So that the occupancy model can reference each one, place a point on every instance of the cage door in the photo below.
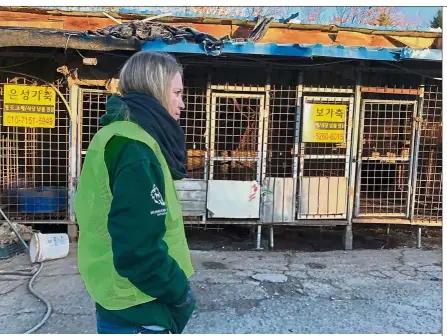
(385, 158)
(326, 131)
(236, 140)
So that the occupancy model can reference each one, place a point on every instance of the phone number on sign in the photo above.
(31, 121)
(330, 137)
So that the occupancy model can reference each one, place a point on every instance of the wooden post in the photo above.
(72, 229)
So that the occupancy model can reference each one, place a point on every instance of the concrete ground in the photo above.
(360, 291)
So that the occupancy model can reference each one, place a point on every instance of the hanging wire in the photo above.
(67, 105)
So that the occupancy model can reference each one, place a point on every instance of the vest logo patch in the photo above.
(156, 196)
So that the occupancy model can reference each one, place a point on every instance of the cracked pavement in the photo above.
(360, 291)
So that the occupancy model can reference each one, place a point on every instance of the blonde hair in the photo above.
(150, 72)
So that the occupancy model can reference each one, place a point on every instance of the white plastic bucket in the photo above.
(48, 246)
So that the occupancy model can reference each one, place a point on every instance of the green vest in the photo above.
(92, 206)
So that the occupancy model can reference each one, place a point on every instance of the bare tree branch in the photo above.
(312, 14)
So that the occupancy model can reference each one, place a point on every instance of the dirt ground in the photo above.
(381, 291)
(313, 239)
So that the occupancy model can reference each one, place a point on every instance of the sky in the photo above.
(426, 13)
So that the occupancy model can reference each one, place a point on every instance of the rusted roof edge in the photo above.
(58, 38)
(223, 21)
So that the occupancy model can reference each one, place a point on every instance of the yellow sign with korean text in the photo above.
(324, 123)
(29, 106)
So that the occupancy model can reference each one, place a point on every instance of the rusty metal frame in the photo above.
(388, 90)
(313, 89)
(237, 88)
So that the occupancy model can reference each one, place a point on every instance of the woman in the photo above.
(132, 250)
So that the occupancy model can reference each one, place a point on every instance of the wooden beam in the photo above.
(29, 37)
(374, 89)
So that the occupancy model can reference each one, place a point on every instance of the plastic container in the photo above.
(11, 249)
(48, 246)
(42, 199)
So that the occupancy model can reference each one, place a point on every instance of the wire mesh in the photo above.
(235, 144)
(34, 166)
(93, 105)
(385, 157)
(193, 122)
(335, 81)
(281, 131)
(428, 193)
(324, 167)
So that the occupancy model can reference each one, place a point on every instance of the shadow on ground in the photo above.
(312, 239)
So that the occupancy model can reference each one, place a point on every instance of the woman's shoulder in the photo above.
(127, 151)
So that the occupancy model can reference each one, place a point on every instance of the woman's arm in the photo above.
(136, 223)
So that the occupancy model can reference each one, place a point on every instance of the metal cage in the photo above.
(386, 153)
(34, 166)
(428, 178)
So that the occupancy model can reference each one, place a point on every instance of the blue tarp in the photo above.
(300, 50)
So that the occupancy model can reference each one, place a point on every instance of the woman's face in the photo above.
(175, 98)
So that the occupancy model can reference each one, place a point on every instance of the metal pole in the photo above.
(354, 155)
(359, 164)
(297, 159)
(415, 152)
(419, 237)
(258, 238)
(271, 237)
(206, 176)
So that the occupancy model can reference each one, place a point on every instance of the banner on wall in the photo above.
(324, 123)
(29, 106)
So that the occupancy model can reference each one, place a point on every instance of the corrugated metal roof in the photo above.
(299, 50)
(421, 54)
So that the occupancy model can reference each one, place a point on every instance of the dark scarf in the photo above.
(150, 115)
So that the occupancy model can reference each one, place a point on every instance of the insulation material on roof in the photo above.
(235, 28)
